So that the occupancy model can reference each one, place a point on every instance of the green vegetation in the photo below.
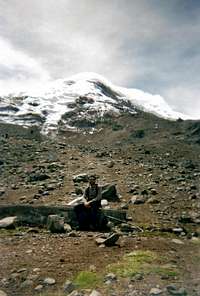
(133, 263)
(87, 279)
(164, 271)
(141, 262)
(108, 121)
(116, 126)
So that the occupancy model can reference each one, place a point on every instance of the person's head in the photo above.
(92, 180)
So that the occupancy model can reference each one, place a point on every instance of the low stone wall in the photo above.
(37, 215)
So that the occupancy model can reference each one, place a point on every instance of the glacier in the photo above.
(85, 95)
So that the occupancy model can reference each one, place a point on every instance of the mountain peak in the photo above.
(85, 96)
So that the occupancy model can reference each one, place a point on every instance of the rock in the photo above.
(110, 164)
(110, 277)
(104, 202)
(78, 191)
(76, 293)
(22, 270)
(109, 192)
(153, 200)
(100, 240)
(124, 206)
(124, 227)
(177, 230)
(137, 277)
(2, 293)
(2, 192)
(8, 222)
(80, 178)
(49, 281)
(37, 269)
(101, 154)
(188, 164)
(68, 287)
(144, 192)
(155, 291)
(137, 199)
(26, 284)
(38, 288)
(154, 191)
(172, 290)
(95, 293)
(35, 177)
(67, 227)
(73, 234)
(111, 240)
(185, 218)
(55, 224)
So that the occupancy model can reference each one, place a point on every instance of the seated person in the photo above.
(88, 213)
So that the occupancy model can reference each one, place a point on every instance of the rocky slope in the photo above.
(154, 163)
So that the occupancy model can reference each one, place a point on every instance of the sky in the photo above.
(152, 45)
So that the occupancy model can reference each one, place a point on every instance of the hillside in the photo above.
(155, 165)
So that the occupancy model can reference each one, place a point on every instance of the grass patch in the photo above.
(116, 126)
(164, 271)
(133, 263)
(87, 280)
(142, 262)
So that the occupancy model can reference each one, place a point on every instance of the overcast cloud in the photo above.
(148, 44)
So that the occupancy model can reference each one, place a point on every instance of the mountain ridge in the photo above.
(85, 96)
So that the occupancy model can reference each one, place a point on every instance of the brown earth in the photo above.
(146, 157)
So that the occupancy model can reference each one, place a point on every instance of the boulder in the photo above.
(80, 178)
(55, 224)
(155, 291)
(8, 222)
(38, 288)
(49, 281)
(110, 240)
(35, 177)
(173, 290)
(2, 293)
(109, 192)
(138, 199)
(95, 293)
(110, 277)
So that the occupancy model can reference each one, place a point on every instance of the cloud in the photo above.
(18, 70)
(189, 97)
(147, 44)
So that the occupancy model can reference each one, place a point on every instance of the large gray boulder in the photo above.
(55, 224)
(109, 192)
(8, 222)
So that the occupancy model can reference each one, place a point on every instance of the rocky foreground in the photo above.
(154, 164)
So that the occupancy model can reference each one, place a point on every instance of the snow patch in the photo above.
(87, 94)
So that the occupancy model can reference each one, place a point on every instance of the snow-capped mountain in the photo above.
(85, 96)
